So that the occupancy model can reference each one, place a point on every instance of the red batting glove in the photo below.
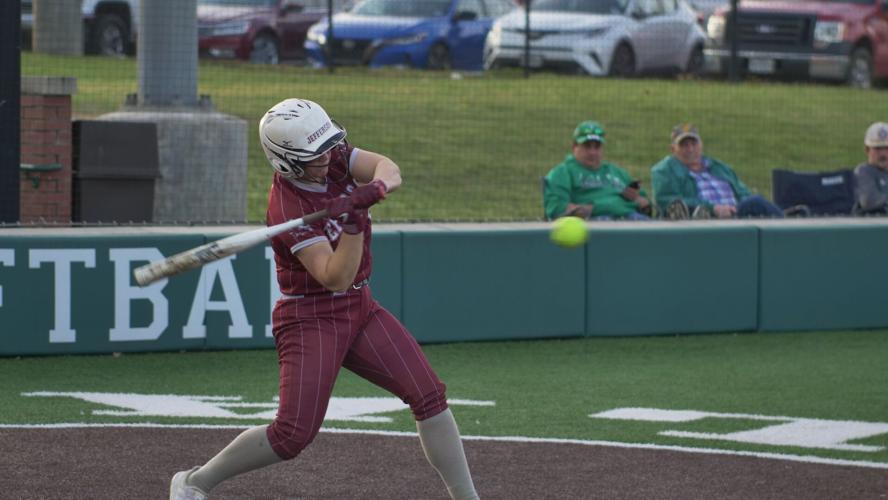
(337, 207)
(354, 222)
(369, 194)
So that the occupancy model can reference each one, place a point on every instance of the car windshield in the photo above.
(238, 3)
(584, 6)
(402, 8)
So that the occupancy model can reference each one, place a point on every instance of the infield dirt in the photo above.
(136, 463)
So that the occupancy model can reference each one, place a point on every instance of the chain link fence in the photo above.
(475, 100)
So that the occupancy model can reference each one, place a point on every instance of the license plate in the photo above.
(761, 66)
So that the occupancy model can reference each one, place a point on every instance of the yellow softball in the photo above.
(569, 232)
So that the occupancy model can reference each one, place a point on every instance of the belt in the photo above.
(355, 286)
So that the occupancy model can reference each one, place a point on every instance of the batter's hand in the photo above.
(337, 207)
(369, 194)
(354, 222)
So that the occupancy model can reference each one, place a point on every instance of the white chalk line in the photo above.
(503, 439)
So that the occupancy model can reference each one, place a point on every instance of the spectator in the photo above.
(586, 186)
(871, 178)
(687, 183)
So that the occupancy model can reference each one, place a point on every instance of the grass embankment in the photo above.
(474, 147)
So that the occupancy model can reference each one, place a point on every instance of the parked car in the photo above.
(434, 34)
(260, 31)
(601, 37)
(839, 40)
(109, 26)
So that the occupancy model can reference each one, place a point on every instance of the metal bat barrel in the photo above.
(178, 263)
(210, 252)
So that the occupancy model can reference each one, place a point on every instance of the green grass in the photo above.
(541, 388)
(474, 148)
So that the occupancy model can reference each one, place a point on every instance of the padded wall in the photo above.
(672, 280)
(819, 278)
(482, 285)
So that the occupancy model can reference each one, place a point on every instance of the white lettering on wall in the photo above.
(274, 292)
(62, 259)
(125, 293)
(7, 258)
(233, 304)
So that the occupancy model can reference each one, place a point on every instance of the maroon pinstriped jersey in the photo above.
(292, 199)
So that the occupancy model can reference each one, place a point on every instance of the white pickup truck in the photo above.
(109, 26)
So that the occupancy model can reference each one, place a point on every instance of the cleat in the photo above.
(180, 490)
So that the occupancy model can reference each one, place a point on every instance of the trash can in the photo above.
(115, 166)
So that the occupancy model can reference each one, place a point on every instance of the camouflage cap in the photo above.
(683, 131)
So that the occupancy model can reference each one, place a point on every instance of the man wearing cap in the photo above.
(689, 182)
(871, 178)
(586, 186)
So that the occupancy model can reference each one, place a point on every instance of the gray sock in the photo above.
(249, 451)
(443, 448)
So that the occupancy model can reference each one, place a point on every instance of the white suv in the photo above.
(600, 37)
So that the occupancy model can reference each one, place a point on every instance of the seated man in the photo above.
(871, 178)
(586, 186)
(687, 182)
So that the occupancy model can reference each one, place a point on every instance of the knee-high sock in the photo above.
(440, 441)
(249, 451)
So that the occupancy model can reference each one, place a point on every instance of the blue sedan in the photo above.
(433, 34)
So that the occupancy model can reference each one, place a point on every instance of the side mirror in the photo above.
(465, 15)
(638, 14)
(290, 6)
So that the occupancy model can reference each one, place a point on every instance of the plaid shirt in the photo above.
(713, 189)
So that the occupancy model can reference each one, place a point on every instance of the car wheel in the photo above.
(265, 50)
(108, 36)
(860, 71)
(622, 62)
(439, 57)
(695, 62)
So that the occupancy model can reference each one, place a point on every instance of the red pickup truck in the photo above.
(840, 40)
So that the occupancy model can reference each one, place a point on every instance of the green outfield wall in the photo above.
(70, 290)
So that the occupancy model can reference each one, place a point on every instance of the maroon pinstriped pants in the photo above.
(315, 335)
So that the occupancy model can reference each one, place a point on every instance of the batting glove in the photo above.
(354, 222)
(369, 194)
(337, 207)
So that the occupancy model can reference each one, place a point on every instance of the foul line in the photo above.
(503, 439)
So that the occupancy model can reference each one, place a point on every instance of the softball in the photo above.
(569, 232)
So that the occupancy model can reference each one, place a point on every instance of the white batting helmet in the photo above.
(296, 131)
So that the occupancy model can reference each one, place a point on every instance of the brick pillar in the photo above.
(46, 144)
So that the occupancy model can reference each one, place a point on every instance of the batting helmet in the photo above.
(296, 131)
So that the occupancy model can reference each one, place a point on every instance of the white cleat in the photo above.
(180, 490)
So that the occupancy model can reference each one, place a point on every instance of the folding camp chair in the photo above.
(824, 193)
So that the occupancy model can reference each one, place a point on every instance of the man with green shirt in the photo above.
(586, 186)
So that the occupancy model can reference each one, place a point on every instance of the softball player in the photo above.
(327, 317)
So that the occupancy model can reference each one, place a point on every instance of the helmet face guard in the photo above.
(295, 132)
